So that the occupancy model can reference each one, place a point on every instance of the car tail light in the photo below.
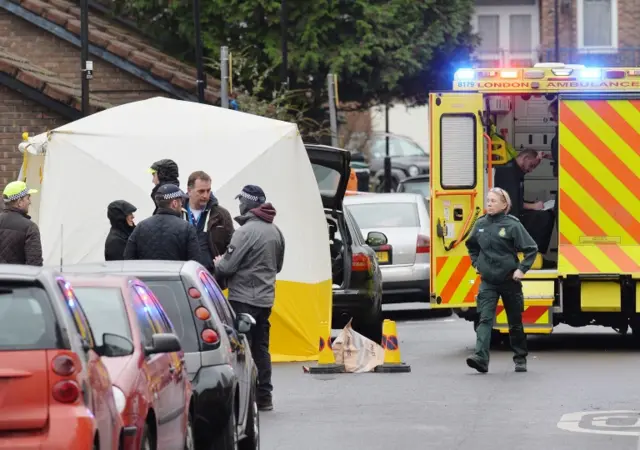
(194, 293)
(202, 313)
(63, 365)
(360, 262)
(210, 336)
(383, 248)
(424, 244)
(66, 391)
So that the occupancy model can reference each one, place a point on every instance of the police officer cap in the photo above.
(169, 192)
(253, 193)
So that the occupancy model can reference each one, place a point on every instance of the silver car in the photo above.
(405, 260)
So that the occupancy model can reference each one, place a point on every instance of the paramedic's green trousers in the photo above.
(513, 300)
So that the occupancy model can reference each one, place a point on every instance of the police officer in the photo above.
(493, 247)
(164, 235)
(20, 237)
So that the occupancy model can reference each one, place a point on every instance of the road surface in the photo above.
(576, 378)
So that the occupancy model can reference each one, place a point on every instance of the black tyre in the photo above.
(227, 438)
(252, 441)
(189, 440)
(148, 440)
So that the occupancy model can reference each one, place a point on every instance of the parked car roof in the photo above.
(391, 197)
(23, 272)
(129, 266)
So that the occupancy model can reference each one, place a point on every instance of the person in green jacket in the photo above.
(493, 246)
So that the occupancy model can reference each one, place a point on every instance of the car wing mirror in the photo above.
(376, 239)
(115, 345)
(163, 343)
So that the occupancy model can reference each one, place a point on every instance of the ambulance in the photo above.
(592, 267)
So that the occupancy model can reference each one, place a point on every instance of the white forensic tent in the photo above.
(81, 167)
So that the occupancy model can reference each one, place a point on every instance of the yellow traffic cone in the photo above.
(392, 361)
(326, 360)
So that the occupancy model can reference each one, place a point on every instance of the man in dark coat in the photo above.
(212, 221)
(165, 236)
(20, 237)
(120, 214)
(164, 171)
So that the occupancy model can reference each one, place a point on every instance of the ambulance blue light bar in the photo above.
(590, 74)
(465, 74)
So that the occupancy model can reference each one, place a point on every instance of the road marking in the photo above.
(619, 423)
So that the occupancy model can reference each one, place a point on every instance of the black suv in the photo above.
(216, 349)
(357, 280)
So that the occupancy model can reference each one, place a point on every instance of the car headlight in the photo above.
(414, 171)
(119, 398)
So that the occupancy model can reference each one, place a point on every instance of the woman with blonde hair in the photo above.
(493, 246)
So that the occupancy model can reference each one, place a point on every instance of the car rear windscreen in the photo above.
(385, 215)
(27, 321)
(106, 311)
(173, 298)
(416, 187)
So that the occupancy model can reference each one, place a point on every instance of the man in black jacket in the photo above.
(164, 171)
(165, 236)
(20, 237)
(120, 214)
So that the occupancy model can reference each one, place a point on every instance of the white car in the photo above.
(405, 261)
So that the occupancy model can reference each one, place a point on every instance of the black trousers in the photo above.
(539, 224)
(259, 342)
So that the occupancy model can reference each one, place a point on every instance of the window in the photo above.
(385, 215)
(26, 319)
(218, 299)
(174, 301)
(105, 310)
(144, 321)
(598, 25)
(417, 187)
(457, 151)
(79, 318)
(520, 33)
(489, 32)
(328, 179)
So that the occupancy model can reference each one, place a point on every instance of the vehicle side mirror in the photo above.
(244, 323)
(163, 343)
(115, 345)
(376, 238)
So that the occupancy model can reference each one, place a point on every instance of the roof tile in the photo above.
(99, 38)
(184, 82)
(35, 6)
(120, 48)
(163, 71)
(141, 60)
(73, 25)
(58, 17)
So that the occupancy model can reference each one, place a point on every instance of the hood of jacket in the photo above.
(265, 212)
(167, 171)
(117, 212)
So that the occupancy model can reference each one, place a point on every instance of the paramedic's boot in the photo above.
(521, 365)
(476, 363)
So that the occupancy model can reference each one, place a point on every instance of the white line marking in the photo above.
(572, 422)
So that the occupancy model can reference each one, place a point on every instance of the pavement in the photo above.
(581, 392)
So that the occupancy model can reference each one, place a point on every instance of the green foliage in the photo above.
(381, 49)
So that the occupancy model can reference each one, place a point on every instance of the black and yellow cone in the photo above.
(392, 360)
(326, 360)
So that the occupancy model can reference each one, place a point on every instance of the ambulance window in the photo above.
(457, 151)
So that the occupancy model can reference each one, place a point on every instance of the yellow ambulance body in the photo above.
(595, 243)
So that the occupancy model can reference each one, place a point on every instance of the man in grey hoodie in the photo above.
(253, 259)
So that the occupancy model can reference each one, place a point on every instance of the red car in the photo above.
(144, 358)
(55, 392)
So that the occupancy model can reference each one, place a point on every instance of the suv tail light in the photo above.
(63, 365)
(194, 293)
(202, 313)
(66, 391)
(209, 336)
(360, 262)
(423, 245)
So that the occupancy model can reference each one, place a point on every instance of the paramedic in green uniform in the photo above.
(493, 247)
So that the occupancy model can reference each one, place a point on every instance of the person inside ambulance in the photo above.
(493, 247)
(510, 177)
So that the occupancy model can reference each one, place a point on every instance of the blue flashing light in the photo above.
(465, 74)
(591, 74)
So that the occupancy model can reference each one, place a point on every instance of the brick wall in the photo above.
(628, 30)
(18, 114)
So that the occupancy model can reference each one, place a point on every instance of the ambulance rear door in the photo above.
(458, 178)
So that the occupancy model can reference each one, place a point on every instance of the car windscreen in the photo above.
(416, 187)
(27, 321)
(385, 215)
(173, 298)
(105, 309)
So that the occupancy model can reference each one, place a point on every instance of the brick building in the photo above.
(40, 70)
(591, 32)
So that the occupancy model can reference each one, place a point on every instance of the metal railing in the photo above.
(621, 57)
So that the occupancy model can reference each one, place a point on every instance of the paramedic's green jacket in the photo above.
(494, 245)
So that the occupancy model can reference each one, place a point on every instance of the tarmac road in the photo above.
(444, 405)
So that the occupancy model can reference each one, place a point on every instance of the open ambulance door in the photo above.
(458, 179)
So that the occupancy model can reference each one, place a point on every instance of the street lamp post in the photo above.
(556, 29)
(86, 66)
(283, 38)
(201, 82)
